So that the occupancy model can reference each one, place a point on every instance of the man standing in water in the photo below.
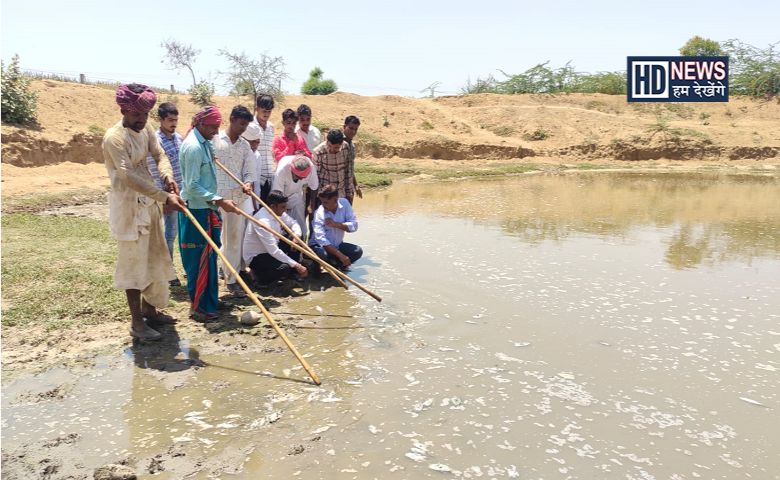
(144, 266)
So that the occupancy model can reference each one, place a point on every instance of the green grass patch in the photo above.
(58, 271)
(97, 130)
(372, 180)
(426, 125)
(504, 131)
(488, 171)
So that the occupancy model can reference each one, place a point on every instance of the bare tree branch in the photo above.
(179, 55)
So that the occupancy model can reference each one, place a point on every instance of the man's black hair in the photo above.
(266, 102)
(304, 110)
(242, 113)
(289, 114)
(335, 136)
(275, 197)
(351, 120)
(166, 109)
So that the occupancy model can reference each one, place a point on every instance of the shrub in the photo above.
(19, 104)
(201, 92)
(701, 47)
(316, 85)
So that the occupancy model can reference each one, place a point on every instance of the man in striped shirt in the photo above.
(170, 141)
(330, 158)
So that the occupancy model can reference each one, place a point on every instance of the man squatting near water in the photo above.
(268, 259)
(144, 266)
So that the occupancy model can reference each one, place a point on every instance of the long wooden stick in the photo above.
(311, 255)
(328, 268)
(252, 296)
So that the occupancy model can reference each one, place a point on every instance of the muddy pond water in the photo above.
(584, 326)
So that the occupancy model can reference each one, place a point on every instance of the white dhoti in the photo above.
(144, 264)
(296, 208)
(233, 229)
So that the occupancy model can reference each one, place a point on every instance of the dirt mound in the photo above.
(484, 126)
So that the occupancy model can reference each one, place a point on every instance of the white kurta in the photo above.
(239, 158)
(135, 213)
(293, 190)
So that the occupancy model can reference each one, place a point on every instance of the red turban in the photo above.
(141, 102)
(208, 116)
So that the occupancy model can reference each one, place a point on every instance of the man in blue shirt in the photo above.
(200, 192)
(332, 219)
(170, 141)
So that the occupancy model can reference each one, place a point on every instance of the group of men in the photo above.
(206, 184)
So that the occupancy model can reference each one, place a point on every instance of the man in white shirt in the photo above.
(264, 174)
(307, 131)
(332, 219)
(267, 261)
(234, 153)
(292, 174)
(265, 155)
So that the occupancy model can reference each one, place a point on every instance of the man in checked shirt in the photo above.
(170, 141)
(330, 159)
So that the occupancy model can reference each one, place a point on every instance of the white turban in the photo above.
(252, 132)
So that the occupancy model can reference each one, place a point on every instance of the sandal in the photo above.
(148, 334)
(159, 319)
(199, 316)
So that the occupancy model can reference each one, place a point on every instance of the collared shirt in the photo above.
(257, 240)
(239, 158)
(324, 235)
(132, 186)
(198, 171)
(350, 148)
(312, 137)
(283, 146)
(292, 189)
(171, 147)
(264, 156)
(332, 168)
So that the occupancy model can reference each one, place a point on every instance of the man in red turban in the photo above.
(144, 266)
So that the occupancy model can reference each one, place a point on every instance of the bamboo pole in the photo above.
(253, 297)
(328, 268)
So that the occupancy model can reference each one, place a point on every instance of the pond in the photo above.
(593, 325)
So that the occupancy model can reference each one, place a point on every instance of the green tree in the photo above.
(701, 47)
(254, 76)
(19, 104)
(316, 85)
(201, 92)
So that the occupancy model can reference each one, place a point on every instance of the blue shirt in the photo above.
(198, 170)
(171, 147)
(324, 235)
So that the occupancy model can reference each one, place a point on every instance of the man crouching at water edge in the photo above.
(144, 266)
(200, 192)
(267, 260)
(334, 217)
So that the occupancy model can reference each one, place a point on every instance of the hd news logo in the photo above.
(678, 79)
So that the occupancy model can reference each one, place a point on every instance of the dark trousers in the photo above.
(354, 252)
(266, 269)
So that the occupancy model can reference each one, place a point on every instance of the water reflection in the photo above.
(707, 218)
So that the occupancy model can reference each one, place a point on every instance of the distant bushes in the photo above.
(201, 93)
(543, 79)
(316, 85)
(19, 104)
(752, 71)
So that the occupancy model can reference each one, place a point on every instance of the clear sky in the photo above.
(370, 48)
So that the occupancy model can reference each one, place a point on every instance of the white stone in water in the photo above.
(373, 429)
(249, 318)
(415, 456)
